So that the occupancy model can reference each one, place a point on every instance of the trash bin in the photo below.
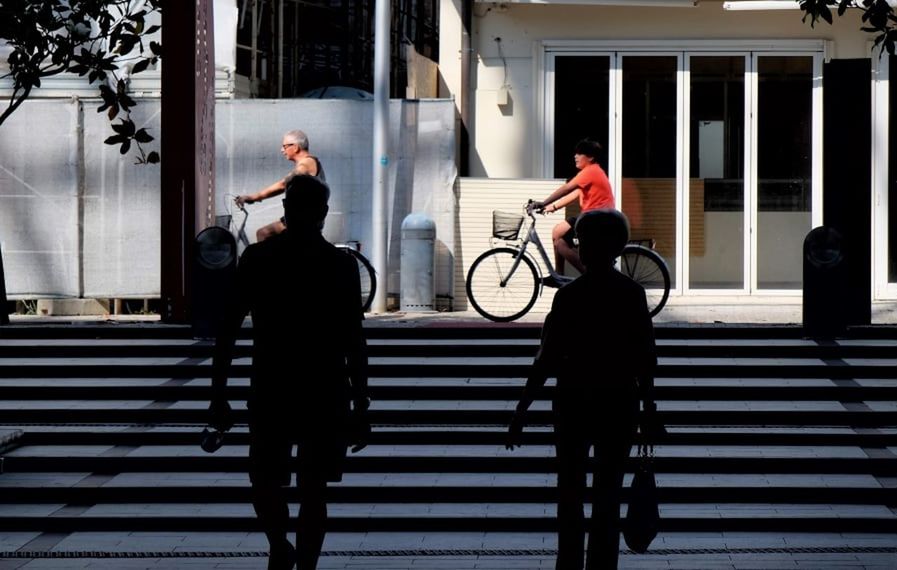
(418, 289)
(214, 272)
(825, 284)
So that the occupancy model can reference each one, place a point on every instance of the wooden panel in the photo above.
(650, 204)
(477, 198)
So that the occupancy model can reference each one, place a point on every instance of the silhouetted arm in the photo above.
(542, 367)
(356, 345)
(236, 310)
(647, 366)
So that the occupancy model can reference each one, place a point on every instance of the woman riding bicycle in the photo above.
(592, 187)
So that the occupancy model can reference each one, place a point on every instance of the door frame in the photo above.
(881, 114)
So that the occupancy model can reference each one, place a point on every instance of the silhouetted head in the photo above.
(602, 236)
(305, 203)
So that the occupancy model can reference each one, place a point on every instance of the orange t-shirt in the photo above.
(595, 186)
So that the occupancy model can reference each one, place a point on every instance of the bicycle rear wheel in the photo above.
(493, 300)
(648, 269)
(366, 275)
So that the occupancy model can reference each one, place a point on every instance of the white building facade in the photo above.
(712, 117)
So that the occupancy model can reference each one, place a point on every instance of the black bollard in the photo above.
(825, 284)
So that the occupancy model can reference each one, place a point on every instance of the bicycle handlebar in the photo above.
(534, 206)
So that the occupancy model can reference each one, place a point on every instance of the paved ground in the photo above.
(462, 551)
(679, 311)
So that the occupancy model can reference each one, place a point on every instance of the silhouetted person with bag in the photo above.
(598, 341)
(309, 370)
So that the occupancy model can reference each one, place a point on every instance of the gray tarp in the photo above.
(56, 181)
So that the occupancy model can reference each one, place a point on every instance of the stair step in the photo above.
(154, 492)
(881, 466)
(379, 393)
(435, 417)
(496, 436)
(709, 523)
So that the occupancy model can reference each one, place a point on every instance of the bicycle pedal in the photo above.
(550, 281)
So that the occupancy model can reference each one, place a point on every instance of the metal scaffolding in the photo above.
(286, 48)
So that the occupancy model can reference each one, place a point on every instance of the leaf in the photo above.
(142, 136)
(843, 6)
(126, 102)
(153, 157)
(140, 66)
(115, 139)
(125, 146)
(156, 48)
(152, 29)
(124, 128)
(113, 112)
(127, 44)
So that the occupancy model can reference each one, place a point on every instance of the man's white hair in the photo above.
(298, 137)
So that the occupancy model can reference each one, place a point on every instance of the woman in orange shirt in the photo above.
(592, 187)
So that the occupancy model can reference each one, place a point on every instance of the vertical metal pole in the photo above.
(253, 64)
(4, 316)
(381, 151)
(280, 49)
(466, 51)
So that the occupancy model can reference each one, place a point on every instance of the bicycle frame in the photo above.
(533, 237)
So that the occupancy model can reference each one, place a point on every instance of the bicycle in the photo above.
(366, 274)
(504, 282)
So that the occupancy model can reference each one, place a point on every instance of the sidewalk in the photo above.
(679, 311)
(453, 551)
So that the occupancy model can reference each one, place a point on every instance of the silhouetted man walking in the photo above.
(598, 341)
(297, 285)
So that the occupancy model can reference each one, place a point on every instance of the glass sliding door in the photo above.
(714, 154)
(580, 108)
(648, 194)
(784, 151)
(716, 190)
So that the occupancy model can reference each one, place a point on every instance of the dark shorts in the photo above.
(320, 454)
(571, 233)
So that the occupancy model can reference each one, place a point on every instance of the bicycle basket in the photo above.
(506, 225)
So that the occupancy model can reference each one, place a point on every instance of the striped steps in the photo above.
(768, 432)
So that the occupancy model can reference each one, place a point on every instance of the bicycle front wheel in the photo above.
(648, 269)
(366, 276)
(497, 302)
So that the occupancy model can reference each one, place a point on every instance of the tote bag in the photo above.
(642, 515)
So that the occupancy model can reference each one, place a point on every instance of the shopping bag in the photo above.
(642, 515)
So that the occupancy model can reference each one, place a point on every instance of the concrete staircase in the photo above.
(768, 433)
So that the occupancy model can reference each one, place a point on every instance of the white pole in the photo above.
(381, 151)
